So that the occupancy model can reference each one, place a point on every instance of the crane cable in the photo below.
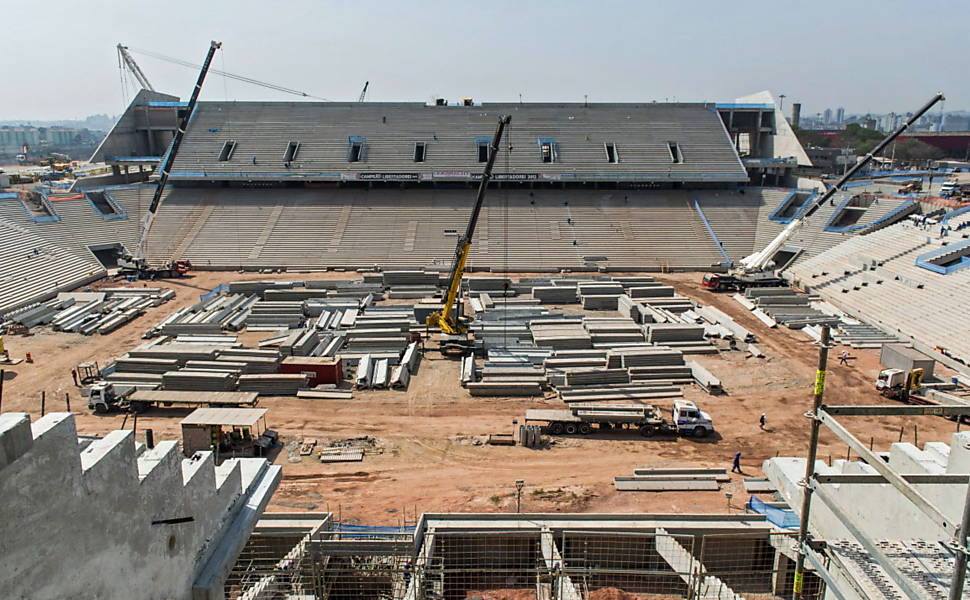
(242, 78)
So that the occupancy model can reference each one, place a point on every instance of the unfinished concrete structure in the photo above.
(548, 556)
(110, 518)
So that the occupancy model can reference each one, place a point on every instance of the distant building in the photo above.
(41, 140)
(827, 116)
(839, 115)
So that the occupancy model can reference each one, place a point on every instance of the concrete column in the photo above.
(781, 574)
(554, 564)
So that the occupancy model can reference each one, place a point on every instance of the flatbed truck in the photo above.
(725, 282)
(686, 419)
(105, 397)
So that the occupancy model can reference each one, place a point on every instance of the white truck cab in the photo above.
(691, 420)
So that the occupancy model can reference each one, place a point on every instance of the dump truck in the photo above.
(686, 419)
(105, 397)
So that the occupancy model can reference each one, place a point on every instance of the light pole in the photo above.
(519, 484)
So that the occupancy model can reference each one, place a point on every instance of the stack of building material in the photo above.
(259, 287)
(178, 352)
(276, 384)
(256, 361)
(705, 379)
(661, 333)
(671, 480)
(504, 388)
(556, 294)
(145, 365)
(717, 317)
(600, 295)
(279, 315)
(643, 356)
(674, 304)
(209, 317)
(788, 306)
(652, 291)
(592, 376)
(321, 370)
(339, 455)
(217, 365)
(610, 332)
(202, 381)
(618, 393)
(410, 284)
(300, 342)
(862, 335)
(530, 436)
(494, 286)
(561, 335)
(91, 312)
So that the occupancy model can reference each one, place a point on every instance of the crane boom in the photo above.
(363, 92)
(129, 61)
(166, 167)
(443, 318)
(759, 260)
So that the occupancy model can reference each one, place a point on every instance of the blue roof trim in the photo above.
(783, 205)
(167, 104)
(924, 260)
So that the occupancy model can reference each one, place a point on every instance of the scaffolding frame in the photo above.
(816, 484)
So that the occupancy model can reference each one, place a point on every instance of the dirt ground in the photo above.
(427, 451)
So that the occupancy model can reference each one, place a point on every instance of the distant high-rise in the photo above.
(827, 116)
(839, 116)
(796, 114)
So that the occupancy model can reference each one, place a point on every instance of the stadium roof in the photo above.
(293, 141)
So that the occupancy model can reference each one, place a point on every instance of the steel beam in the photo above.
(830, 585)
(877, 463)
(896, 410)
(898, 578)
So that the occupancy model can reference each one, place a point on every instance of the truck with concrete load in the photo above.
(725, 282)
(686, 419)
(105, 397)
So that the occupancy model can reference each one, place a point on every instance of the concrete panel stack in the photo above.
(276, 384)
(561, 335)
(587, 376)
(178, 352)
(705, 379)
(279, 315)
(494, 286)
(202, 381)
(504, 388)
(145, 365)
(653, 291)
(556, 294)
(600, 295)
(717, 317)
(609, 332)
(644, 356)
(789, 307)
(256, 361)
(618, 393)
(300, 342)
(660, 333)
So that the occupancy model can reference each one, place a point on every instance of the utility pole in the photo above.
(960, 553)
(519, 484)
(819, 390)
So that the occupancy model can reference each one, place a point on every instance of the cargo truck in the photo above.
(686, 419)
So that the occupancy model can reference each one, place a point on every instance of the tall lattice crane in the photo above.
(363, 92)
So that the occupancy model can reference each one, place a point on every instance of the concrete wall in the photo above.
(880, 511)
(91, 523)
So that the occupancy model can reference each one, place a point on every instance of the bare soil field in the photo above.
(426, 450)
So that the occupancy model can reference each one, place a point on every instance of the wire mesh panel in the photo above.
(605, 565)
(757, 566)
(493, 565)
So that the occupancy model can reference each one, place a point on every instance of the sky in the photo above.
(59, 60)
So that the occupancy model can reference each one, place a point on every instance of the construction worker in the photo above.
(736, 464)
(844, 358)
(763, 421)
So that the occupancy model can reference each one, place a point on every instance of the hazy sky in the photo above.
(57, 57)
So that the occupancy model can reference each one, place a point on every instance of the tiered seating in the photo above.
(80, 224)
(640, 133)
(544, 230)
(895, 294)
(32, 268)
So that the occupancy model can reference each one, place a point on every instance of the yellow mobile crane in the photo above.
(445, 319)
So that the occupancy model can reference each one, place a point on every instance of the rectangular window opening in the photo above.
(611, 154)
(482, 153)
(292, 149)
(419, 151)
(676, 156)
(227, 150)
(545, 150)
(355, 150)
